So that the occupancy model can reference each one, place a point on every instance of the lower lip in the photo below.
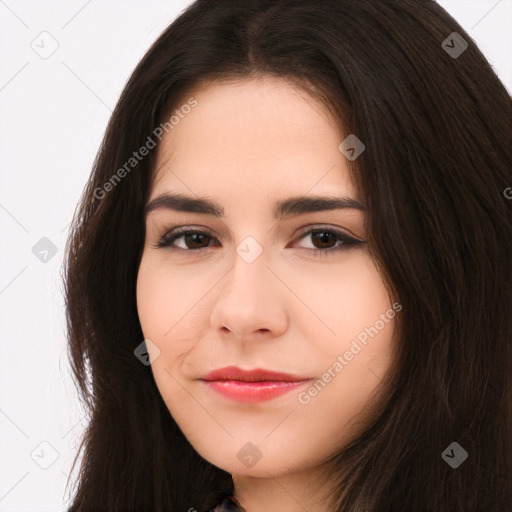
(252, 392)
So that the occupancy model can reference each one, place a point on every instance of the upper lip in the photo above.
(256, 375)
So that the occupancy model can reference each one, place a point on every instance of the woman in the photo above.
(229, 359)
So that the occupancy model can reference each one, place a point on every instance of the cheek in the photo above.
(172, 313)
(151, 301)
(165, 294)
(364, 329)
(355, 348)
(341, 298)
(362, 304)
(157, 304)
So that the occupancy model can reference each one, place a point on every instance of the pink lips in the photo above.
(251, 386)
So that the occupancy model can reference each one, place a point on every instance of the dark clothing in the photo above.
(228, 504)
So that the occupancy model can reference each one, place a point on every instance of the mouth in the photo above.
(252, 386)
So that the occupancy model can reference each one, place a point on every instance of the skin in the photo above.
(246, 145)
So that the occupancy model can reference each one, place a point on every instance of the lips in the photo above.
(251, 386)
(257, 375)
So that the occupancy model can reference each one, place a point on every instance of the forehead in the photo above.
(259, 135)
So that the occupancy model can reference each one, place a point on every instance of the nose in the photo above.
(251, 301)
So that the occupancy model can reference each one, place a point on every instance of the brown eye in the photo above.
(193, 240)
(324, 241)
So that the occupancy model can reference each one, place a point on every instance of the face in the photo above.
(294, 293)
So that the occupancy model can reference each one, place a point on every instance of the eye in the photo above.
(197, 240)
(189, 236)
(324, 238)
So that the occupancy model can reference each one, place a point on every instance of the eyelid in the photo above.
(335, 229)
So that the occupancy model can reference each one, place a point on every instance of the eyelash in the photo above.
(171, 236)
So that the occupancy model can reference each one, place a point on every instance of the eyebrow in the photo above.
(282, 209)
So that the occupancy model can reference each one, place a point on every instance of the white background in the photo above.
(53, 113)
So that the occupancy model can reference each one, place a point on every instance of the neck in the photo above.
(297, 492)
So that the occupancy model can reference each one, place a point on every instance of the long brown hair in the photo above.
(438, 159)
